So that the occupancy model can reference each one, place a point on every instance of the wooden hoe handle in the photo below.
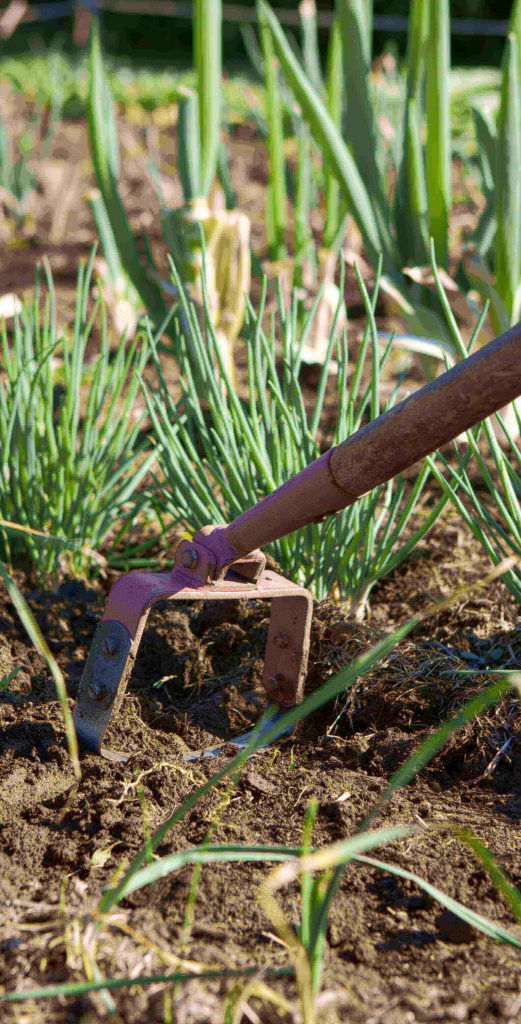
(431, 417)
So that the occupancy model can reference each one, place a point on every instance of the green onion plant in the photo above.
(296, 186)
(400, 196)
(119, 294)
(396, 226)
(218, 455)
(202, 217)
(493, 260)
(71, 455)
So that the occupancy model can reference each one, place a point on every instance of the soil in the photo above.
(392, 953)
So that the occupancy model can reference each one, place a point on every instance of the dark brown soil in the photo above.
(392, 955)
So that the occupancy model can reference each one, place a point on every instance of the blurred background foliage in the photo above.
(143, 37)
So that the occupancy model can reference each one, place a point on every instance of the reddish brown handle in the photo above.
(472, 390)
(469, 392)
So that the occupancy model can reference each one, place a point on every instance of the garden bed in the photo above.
(392, 953)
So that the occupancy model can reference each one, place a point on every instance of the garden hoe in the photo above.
(225, 562)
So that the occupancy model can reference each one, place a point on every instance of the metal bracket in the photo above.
(117, 637)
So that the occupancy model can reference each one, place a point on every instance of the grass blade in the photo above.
(483, 924)
(81, 988)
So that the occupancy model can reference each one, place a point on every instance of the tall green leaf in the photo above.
(508, 182)
(376, 235)
(486, 134)
(334, 101)
(189, 149)
(411, 211)
(276, 223)
(411, 192)
(515, 27)
(438, 146)
(106, 234)
(208, 66)
(303, 201)
(355, 20)
(310, 47)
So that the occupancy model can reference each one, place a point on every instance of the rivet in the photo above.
(190, 558)
(274, 683)
(110, 646)
(98, 692)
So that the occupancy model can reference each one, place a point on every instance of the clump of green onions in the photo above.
(71, 454)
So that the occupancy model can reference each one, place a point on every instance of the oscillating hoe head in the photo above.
(197, 576)
(225, 563)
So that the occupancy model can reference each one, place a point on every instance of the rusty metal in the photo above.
(225, 562)
(194, 578)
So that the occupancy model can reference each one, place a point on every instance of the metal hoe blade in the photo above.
(264, 725)
(119, 632)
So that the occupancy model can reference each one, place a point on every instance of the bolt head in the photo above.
(190, 558)
(110, 646)
(274, 683)
(97, 692)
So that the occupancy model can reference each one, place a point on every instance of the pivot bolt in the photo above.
(110, 646)
(282, 640)
(190, 558)
(98, 692)
(274, 684)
